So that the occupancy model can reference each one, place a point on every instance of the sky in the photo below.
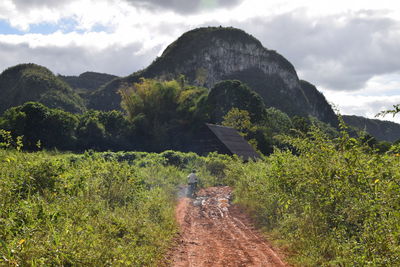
(348, 49)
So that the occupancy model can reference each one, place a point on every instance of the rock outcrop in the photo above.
(318, 106)
(208, 55)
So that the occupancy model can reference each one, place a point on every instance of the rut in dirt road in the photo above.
(216, 233)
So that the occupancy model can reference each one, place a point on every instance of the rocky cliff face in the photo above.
(208, 55)
(222, 57)
(318, 106)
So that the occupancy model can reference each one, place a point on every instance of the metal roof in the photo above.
(233, 141)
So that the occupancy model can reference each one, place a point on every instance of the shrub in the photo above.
(336, 202)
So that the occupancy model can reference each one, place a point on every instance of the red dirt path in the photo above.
(216, 233)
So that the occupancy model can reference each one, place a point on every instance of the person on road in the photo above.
(192, 181)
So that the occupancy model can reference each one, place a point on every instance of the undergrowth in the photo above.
(56, 210)
(335, 202)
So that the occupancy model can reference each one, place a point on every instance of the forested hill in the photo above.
(202, 58)
(209, 55)
(381, 130)
(88, 81)
(31, 82)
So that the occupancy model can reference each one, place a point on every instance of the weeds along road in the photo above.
(216, 233)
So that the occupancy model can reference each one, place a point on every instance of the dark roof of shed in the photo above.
(233, 141)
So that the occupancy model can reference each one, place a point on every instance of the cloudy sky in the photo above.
(348, 49)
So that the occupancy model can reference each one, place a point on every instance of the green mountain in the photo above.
(209, 55)
(381, 130)
(87, 82)
(205, 56)
(31, 82)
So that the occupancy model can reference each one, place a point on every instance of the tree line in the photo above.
(157, 116)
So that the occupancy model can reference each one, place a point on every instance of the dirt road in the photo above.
(216, 233)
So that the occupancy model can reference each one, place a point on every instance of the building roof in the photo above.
(233, 141)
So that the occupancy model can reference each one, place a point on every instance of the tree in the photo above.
(368, 139)
(36, 122)
(163, 112)
(240, 120)
(277, 121)
(301, 124)
(383, 146)
(394, 111)
(91, 133)
(230, 94)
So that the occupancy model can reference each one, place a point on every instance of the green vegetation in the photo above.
(240, 120)
(30, 82)
(165, 114)
(88, 81)
(228, 94)
(204, 55)
(334, 203)
(394, 111)
(159, 115)
(56, 211)
(381, 130)
(329, 200)
(55, 128)
(35, 122)
(92, 209)
(331, 197)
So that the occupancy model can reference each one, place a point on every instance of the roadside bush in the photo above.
(180, 159)
(335, 203)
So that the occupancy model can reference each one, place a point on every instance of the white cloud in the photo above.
(340, 52)
(184, 6)
(380, 93)
(350, 103)
(72, 54)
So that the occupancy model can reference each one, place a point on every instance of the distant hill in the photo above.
(31, 82)
(381, 130)
(209, 55)
(205, 56)
(87, 82)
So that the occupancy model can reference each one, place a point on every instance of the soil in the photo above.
(213, 232)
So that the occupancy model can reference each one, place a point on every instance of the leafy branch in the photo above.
(394, 111)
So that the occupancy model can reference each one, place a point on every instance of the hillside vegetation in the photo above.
(204, 57)
(87, 82)
(381, 130)
(30, 82)
(159, 115)
(208, 55)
